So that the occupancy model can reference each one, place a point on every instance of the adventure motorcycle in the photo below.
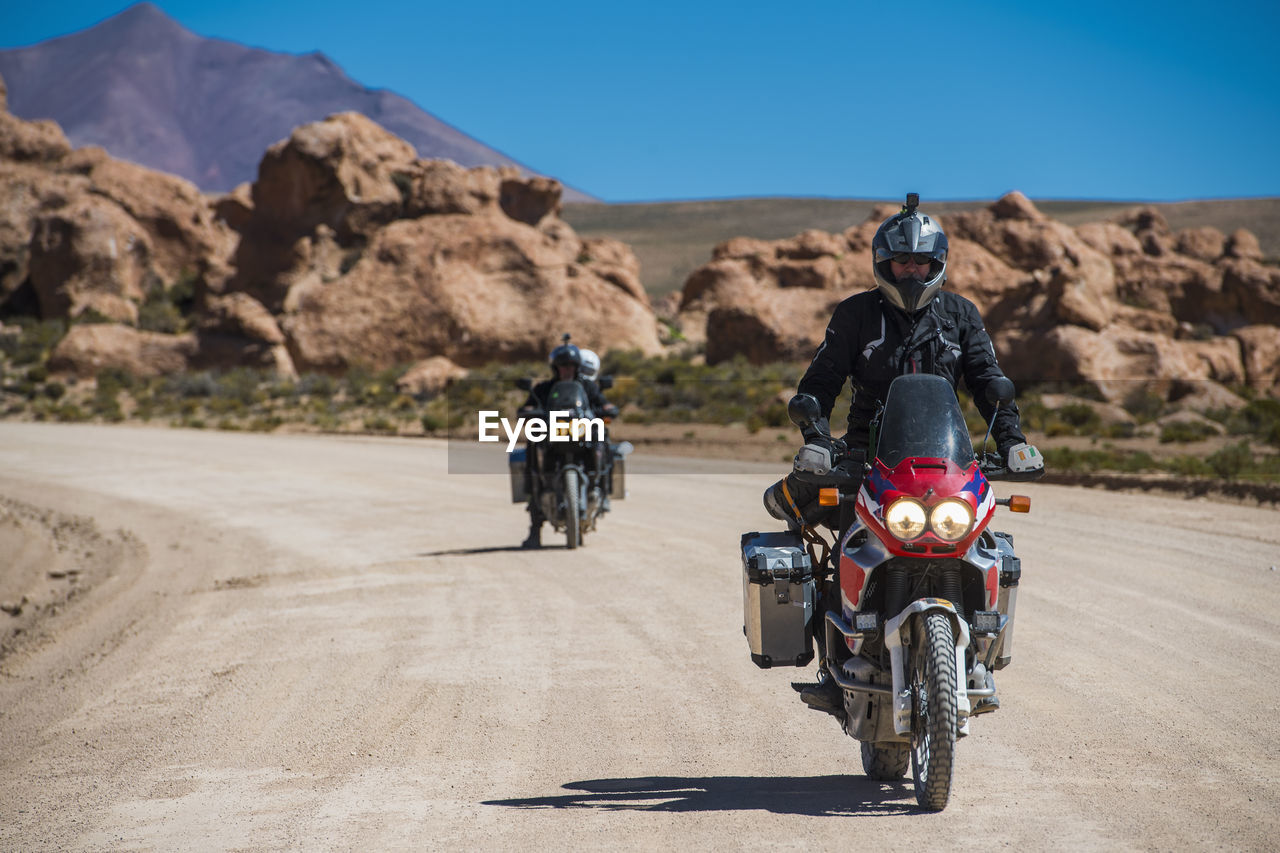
(919, 595)
(573, 474)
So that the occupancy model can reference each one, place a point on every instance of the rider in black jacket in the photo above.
(908, 324)
(566, 364)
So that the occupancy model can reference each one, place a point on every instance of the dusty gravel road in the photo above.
(328, 643)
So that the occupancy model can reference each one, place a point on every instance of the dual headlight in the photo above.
(950, 520)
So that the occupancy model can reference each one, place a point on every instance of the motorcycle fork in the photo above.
(904, 624)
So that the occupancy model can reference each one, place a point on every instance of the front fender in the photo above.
(893, 639)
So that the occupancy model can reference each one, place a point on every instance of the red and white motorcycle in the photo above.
(917, 593)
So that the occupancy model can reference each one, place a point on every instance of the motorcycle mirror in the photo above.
(624, 449)
(1000, 391)
(803, 409)
(605, 383)
(524, 383)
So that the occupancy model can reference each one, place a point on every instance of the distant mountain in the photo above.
(148, 90)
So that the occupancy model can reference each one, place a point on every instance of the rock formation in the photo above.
(1106, 303)
(347, 250)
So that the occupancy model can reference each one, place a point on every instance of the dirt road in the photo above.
(326, 643)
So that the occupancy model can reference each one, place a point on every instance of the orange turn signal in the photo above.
(1019, 503)
(828, 497)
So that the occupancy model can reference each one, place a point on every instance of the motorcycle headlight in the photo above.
(951, 520)
(905, 518)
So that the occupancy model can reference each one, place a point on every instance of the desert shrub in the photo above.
(1080, 417)
(106, 402)
(265, 423)
(368, 388)
(119, 377)
(90, 317)
(36, 340)
(315, 385)
(70, 413)
(1104, 459)
(1119, 430)
(164, 310)
(54, 390)
(1187, 466)
(1259, 418)
(1186, 432)
(1231, 461)
(324, 421)
(1143, 404)
(283, 389)
(242, 385)
(379, 423)
(190, 385)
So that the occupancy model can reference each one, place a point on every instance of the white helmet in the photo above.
(590, 365)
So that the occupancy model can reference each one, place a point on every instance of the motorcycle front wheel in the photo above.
(572, 508)
(934, 713)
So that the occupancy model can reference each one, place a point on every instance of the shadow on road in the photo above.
(492, 549)
(817, 796)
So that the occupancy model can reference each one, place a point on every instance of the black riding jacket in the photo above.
(871, 342)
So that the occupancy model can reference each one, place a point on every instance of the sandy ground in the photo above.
(309, 642)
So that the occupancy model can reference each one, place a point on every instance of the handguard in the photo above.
(1023, 458)
(813, 459)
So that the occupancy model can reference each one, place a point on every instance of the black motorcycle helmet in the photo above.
(566, 355)
(909, 233)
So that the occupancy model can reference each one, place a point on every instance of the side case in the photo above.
(619, 490)
(778, 594)
(515, 463)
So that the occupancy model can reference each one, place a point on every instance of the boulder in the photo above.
(239, 315)
(235, 208)
(342, 172)
(1015, 205)
(29, 141)
(1251, 290)
(429, 377)
(1204, 244)
(768, 326)
(89, 348)
(1116, 360)
(1243, 245)
(442, 186)
(528, 200)
(1109, 239)
(1260, 345)
(84, 251)
(475, 289)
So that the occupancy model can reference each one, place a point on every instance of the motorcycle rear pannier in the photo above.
(515, 464)
(618, 489)
(778, 593)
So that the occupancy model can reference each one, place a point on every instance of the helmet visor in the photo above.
(883, 254)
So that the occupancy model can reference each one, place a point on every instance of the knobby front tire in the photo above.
(935, 711)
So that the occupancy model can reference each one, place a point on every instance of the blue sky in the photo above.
(655, 101)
